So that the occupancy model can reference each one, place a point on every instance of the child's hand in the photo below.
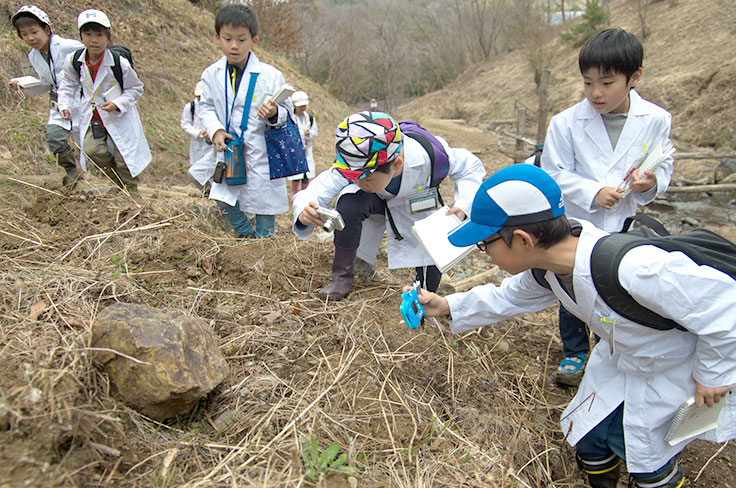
(642, 182)
(608, 196)
(202, 134)
(457, 211)
(13, 84)
(434, 305)
(108, 106)
(306, 132)
(65, 114)
(220, 139)
(708, 396)
(267, 109)
(309, 215)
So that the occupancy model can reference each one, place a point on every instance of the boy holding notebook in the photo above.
(591, 147)
(47, 55)
(637, 376)
(228, 112)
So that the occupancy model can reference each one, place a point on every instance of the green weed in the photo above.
(321, 464)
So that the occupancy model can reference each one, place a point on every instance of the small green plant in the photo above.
(320, 464)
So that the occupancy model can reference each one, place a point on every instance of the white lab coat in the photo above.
(260, 195)
(123, 126)
(201, 153)
(303, 123)
(60, 48)
(466, 170)
(651, 371)
(578, 155)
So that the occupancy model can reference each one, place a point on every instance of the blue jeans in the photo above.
(574, 334)
(607, 437)
(265, 224)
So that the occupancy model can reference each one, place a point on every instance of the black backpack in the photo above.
(117, 71)
(702, 246)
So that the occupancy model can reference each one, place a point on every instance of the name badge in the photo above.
(423, 201)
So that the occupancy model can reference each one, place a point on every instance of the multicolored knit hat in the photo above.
(364, 141)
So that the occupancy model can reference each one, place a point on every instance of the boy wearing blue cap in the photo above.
(590, 149)
(635, 382)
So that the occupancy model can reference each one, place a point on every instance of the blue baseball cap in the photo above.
(516, 195)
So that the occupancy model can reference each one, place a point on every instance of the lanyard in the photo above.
(246, 104)
(93, 95)
(50, 61)
(234, 87)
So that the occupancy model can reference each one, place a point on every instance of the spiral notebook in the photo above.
(691, 420)
(432, 231)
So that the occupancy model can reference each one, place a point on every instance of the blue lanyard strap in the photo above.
(246, 104)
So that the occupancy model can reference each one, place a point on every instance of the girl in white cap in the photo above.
(308, 130)
(47, 55)
(201, 158)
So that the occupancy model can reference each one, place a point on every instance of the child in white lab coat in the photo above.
(112, 134)
(226, 84)
(636, 380)
(201, 164)
(589, 150)
(47, 55)
(308, 130)
(379, 174)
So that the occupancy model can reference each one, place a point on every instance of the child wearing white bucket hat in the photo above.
(308, 130)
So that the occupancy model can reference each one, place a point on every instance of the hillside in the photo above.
(408, 408)
(689, 67)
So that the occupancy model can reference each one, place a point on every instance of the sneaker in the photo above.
(571, 370)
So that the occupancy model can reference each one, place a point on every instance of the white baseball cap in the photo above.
(299, 99)
(31, 10)
(198, 88)
(91, 15)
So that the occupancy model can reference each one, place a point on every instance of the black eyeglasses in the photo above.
(484, 244)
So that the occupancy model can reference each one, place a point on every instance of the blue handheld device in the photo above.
(411, 310)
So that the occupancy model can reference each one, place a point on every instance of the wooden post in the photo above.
(542, 113)
(519, 154)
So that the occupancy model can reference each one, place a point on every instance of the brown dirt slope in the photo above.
(689, 67)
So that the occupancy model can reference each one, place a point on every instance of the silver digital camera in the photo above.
(331, 218)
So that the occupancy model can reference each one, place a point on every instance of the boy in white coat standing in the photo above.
(379, 173)
(637, 376)
(112, 134)
(47, 55)
(590, 149)
(226, 84)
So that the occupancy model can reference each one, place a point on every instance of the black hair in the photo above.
(236, 15)
(612, 51)
(27, 19)
(548, 233)
(95, 27)
(384, 168)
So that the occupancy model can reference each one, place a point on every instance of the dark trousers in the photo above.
(607, 437)
(355, 208)
(574, 334)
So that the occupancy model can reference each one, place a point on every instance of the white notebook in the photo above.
(32, 85)
(653, 159)
(691, 420)
(282, 94)
(432, 231)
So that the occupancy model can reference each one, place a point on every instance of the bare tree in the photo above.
(482, 22)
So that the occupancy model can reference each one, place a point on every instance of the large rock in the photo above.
(185, 362)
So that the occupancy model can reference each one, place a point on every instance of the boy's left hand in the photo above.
(457, 211)
(267, 109)
(705, 395)
(108, 106)
(642, 181)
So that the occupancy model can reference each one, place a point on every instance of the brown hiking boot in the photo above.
(343, 272)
